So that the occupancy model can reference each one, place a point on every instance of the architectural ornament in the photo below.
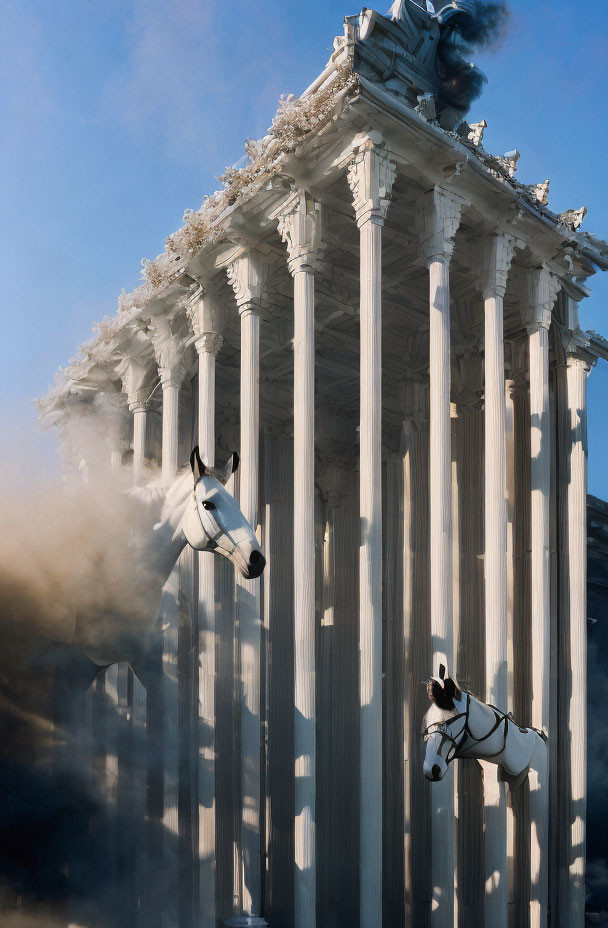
(300, 225)
(132, 373)
(494, 256)
(573, 218)
(168, 350)
(203, 313)
(509, 161)
(540, 289)
(247, 275)
(476, 130)
(541, 192)
(441, 210)
(371, 175)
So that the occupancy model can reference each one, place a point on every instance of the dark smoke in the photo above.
(64, 560)
(473, 26)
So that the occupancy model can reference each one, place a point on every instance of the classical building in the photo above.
(383, 320)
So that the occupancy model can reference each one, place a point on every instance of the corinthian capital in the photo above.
(132, 373)
(300, 225)
(540, 289)
(203, 312)
(441, 210)
(247, 276)
(168, 350)
(371, 175)
(493, 260)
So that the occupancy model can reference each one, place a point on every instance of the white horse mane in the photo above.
(161, 490)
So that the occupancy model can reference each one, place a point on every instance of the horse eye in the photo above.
(207, 504)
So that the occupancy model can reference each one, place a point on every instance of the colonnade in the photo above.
(371, 176)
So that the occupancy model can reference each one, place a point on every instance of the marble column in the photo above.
(139, 411)
(371, 175)
(577, 369)
(441, 218)
(203, 315)
(170, 382)
(300, 227)
(495, 259)
(541, 291)
(133, 373)
(246, 274)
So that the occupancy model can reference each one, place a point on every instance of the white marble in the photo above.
(371, 175)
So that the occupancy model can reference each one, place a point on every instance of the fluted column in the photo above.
(170, 386)
(139, 411)
(371, 175)
(441, 218)
(168, 352)
(577, 369)
(203, 318)
(541, 289)
(496, 254)
(132, 372)
(246, 274)
(300, 227)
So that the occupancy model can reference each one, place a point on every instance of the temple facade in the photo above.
(383, 321)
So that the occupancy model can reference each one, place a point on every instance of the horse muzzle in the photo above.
(255, 566)
(434, 772)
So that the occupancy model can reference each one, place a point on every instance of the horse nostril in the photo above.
(436, 772)
(257, 563)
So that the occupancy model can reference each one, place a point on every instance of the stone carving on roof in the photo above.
(475, 132)
(573, 218)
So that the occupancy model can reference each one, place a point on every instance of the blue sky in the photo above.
(120, 115)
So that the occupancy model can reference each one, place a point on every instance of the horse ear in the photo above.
(438, 694)
(223, 473)
(198, 468)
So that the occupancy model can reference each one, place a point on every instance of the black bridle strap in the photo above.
(457, 742)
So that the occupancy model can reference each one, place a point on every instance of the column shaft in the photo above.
(170, 427)
(440, 525)
(370, 575)
(248, 607)
(139, 443)
(577, 370)
(206, 662)
(540, 476)
(304, 600)
(495, 805)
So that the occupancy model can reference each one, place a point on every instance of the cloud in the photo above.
(161, 93)
(26, 93)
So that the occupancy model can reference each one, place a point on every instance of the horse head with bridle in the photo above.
(194, 509)
(458, 726)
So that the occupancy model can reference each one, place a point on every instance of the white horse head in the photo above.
(443, 724)
(213, 521)
(458, 725)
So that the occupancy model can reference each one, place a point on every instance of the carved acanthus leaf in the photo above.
(441, 210)
(540, 289)
(168, 350)
(300, 225)
(247, 276)
(132, 373)
(203, 312)
(494, 257)
(371, 175)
